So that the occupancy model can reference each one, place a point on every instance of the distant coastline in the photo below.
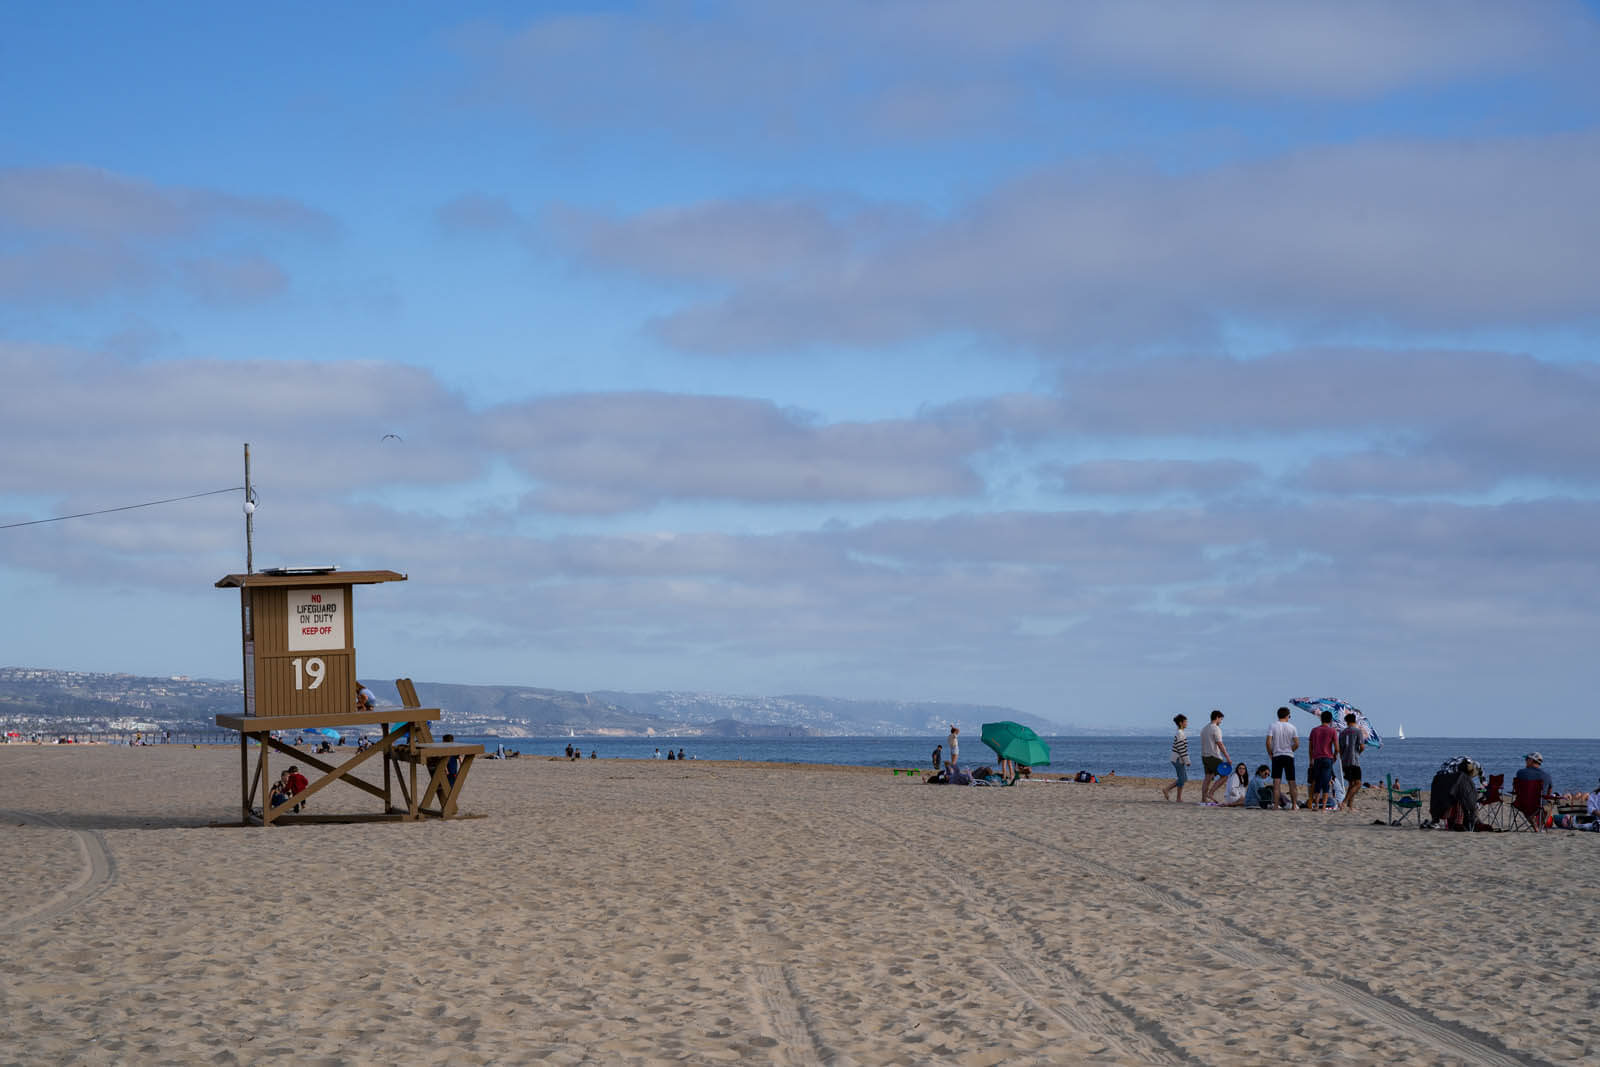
(87, 702)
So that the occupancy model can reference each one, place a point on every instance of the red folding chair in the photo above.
(1530, 809)
(1493, 811)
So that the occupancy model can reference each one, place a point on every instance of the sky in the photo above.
(1100, 360)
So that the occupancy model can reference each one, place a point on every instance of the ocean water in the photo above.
(1574, 763)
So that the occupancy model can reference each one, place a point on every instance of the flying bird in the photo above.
(387, 436)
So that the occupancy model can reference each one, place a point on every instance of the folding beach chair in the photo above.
(1493, 809)
(1408, 802)
(1529, 811)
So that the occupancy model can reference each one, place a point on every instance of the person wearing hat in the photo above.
(1533, 770)
(1533, 805)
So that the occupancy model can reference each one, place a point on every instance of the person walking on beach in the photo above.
(1282, 741)
(938, 757)
(1213, 754)
(953, 743)
(1352, 742)
(1180, 758)
(1324, 757)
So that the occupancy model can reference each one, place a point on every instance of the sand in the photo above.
(639, 912)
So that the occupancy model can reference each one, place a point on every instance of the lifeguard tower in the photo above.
(298, 630)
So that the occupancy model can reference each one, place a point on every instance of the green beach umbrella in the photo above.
(1017, 743)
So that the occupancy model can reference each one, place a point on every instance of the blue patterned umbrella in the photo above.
(1317, 705)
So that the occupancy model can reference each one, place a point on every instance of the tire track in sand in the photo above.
(777, 1000)
(99, 872)
(1116, 1031)
(1450, 1039)
(773, 993)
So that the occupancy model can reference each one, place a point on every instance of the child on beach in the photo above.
(1180, 759)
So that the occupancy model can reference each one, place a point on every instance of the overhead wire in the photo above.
(125, 507)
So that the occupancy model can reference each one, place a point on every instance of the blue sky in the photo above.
(1102, 360)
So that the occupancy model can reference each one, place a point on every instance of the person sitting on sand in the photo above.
(1236, 785)
(280, 791)
(1260, 791)
(1590, 819)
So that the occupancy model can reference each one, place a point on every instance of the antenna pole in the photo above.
(249, 517)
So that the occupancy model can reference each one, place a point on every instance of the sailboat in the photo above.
(1399, 732)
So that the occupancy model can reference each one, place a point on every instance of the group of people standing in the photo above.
(1333, 751)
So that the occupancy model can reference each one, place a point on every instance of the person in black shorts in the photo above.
(1352, 742)
(1282, 741)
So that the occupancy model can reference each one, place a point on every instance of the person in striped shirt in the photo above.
(1180, 758)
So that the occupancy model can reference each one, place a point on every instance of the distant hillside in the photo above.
(825, 715)
(41, 696)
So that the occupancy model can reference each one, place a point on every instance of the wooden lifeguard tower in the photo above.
(298, 631)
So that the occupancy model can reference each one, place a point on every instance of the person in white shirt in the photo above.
(952, 744)
(1213, 754)
(1237, 784)
(1282, 742)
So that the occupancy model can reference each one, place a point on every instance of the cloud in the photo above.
(1407, 236)
(158, 427)
(80, 233)
(105, 430)
(1302, 47)
(1141, 477)
(725, 240)
(614, 450)
(1383, 421)
(1116, 606)
(234, 279)
(931, 69)
(478, 213)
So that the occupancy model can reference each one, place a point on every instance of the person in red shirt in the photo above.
(1324, 756)
(296, 783)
